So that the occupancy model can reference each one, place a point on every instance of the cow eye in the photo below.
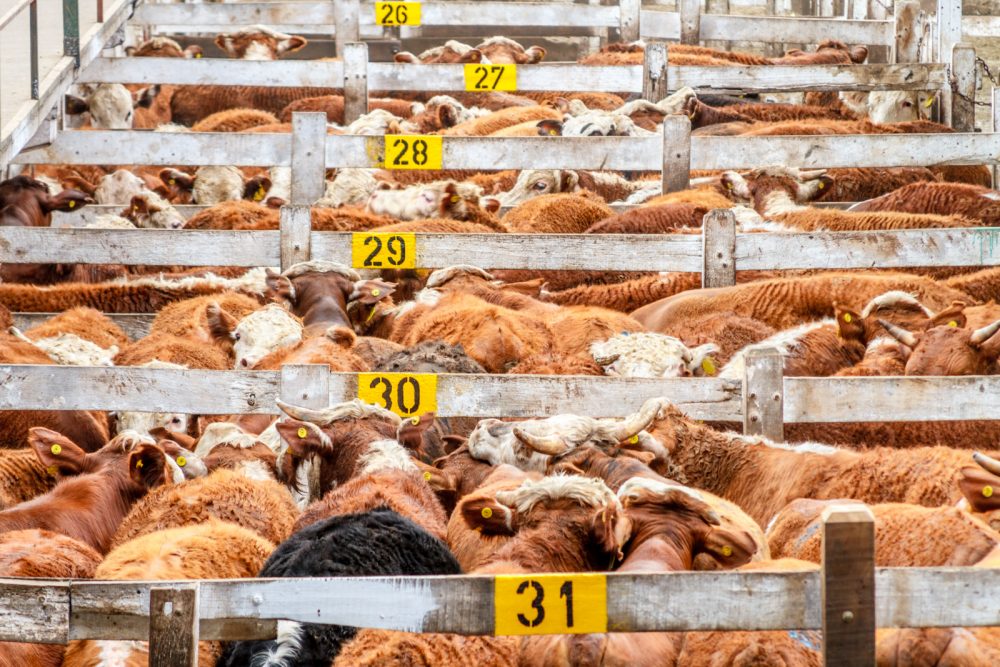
(907, 104)
(540, 185)
(175, 420)
(595, 133)
(236, 336)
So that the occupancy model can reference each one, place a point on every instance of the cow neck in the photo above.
(320, 302)
(661, 541)
(776, 201)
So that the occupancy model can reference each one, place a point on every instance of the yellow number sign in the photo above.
(406, 394)
(544, 604)
(383, 250)
(490, 77)
(404, 151)
(397, 13)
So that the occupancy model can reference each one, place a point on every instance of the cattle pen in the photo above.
(847, 598)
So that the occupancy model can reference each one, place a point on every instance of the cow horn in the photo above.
(899, 333)
(304, 414)
(607, 360)
(552, 445)
(811, 174)
(987, 463)
(637, 421)
(980, 336)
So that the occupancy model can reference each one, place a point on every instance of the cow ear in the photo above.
(489, 516)
(471, 56)
(56, 452)
(549, 128)
(279, 288)
(410, 433)
(303, 439)
(850, 326)
(535, 54)
(147, 466)
(182, 439)
(76, 105)
(439, 480)
(226, 44)
(81, 184)
(451, 442)
(610, 530)
(952, 316)
(178, 178)
(447, 115)
(980, 488)
(293, 43)
(193, 51)
(568, 180)
(700, 361)
(490, 204)
(139, 205)
(163, 192)
(370, 292)
(130, 51)
(220, 323)
(144, 98)
(256, 188)
(859, 54)
(341, 336)
(729, 548)
(67, 200)
(406, 57)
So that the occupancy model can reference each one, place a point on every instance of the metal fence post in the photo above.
(848, 586)
(763, 394)
(355, 81)
(676, 169)
(71, 30)
(173, 626)
(718, 249)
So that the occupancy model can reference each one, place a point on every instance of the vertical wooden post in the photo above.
(295, 222)
(173, 626)
(347, 23)
(963, 98)
(718, 250)
(718, 7)
(876, 11)
(307, 385)
(848, 586)
(773, 49)
(308, 156)
(628, 21)
(996, 128)
(654, 72)
(676, 153)
(763, 394)
(906, 16)
(690, 20)
(355, 81)
(949, 28)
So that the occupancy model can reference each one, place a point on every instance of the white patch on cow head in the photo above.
(895, 106)
(442, 276)
(636, 487)
(144, 422)
(110, 106)
(223, 433)
(585, 491)
(533, 183)
(651, 355)
(262, 332)
(374, 123)
(350, 187)
(413, 203)
(786, 342)
(71, 350)
(895, 298)
(285, 648)
(119, 187)
(601, 124)
(214, 185)
(119, 653)
(386, 455)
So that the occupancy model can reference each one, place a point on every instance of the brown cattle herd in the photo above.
(353, 489)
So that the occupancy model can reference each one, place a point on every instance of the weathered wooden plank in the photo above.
(861, 250)
(88, 214)
(848, 586)
(347, 19)
(690, 11)
(882, 399)
(295, 235)
(163, 148)
(629, 26)
(655, 80)
(355, 81)
(937, 597)
(657, 24)
(911, 150)
(134, 325)
(673, 252)
(514, 14)
(675, 170)
(963, 99)
(308, 156)
(770, 78)
(949, 27)
(243, 13)
(138, 246)
(215, 72)
(980, 26)
(34, 611)
(809, 30)
(173, 625)
(541, 77)
(718, 249)
(906, 15)
(762, 395)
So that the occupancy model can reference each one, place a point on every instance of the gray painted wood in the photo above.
(676, 151)
(778, 78)
(173, 626)
(216, 71)
(347, 19)
(690, 11)
(308, 157)
(655, 81)
(848, 586)
(907, 20)
(808, 30)
(34, 611)
(949, 27)
(629, 26)
(963, 99)
(718, 249)
(295, 235)
(763, 405)
(355, 81)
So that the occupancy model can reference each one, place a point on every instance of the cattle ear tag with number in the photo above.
(302, 432)
(181, 461)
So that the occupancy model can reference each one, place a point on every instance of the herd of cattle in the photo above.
(354, 489)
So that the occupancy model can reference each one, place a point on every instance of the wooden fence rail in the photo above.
(847, 597)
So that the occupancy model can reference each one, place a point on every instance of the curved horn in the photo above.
(607, 360)
(811, 174)
(899, 333)
(304, 414)
(552, 445)
(980, 336)
(637, 421)
(987, 463)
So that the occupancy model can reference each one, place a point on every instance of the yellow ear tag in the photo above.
(376, 292)
(634, 439)
(987, 491)
(51, 470)
(415, 420)
(553, 132)
(729, 186)
(848, 318)
(302, 432)
(427, 476)
(708, 365)
(71, 204)
(135, 209)
(953, 324)
(455, 199)
(487, 512)
(821, 185)
(181, 461)
(197, 55)
(56, 450)
(929, 102)
(172, 181)
(727, 551)
(138, 464)
(257, 196)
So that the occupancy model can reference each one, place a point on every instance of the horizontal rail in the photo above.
(38, 611)
(12, 13)
(541, 77)
(135, 325)
(667, 25)
(485, 153)
(980, 26)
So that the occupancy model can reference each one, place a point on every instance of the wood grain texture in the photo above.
(308, 158)
(173, 626)
(295, 233)
(718, 249)
(848, 586)
(906, 15)
(34, 611)
(675, 171)
(772, 78)
(963, 99)
(690, 11)
(629, 26)
(355, 82)
(347, 22)
(654, 81)
(216, 71)
(540, 77)
(808, 30)
(763, 407)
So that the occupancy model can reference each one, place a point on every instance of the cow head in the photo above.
(143, 462)
(653, 355)
(163, 47)
(947, 347)
(256, 335)
(110, 105)
(772, 188)
(451, 53)
(26, 202)
(150, 210)
(258, 42)
(500, 50)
